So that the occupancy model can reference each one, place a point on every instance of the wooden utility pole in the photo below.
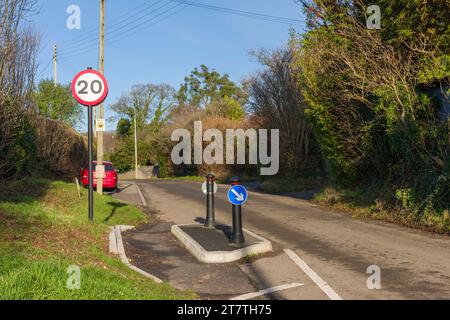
(136, 163)
(55, 64)
(101, 109)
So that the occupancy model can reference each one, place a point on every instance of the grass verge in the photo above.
(370, 204)
(44, 230)
(361, 203)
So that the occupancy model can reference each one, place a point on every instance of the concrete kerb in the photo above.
(116, 247)
(197, 250)
(141, 195)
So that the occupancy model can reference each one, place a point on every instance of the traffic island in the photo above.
(212, 245)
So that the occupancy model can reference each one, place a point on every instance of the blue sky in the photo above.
(161, 49)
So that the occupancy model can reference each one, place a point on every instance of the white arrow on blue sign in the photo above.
(238, 195)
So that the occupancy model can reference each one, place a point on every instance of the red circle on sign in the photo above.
(81, 100)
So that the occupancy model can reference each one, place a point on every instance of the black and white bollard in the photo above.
(237, 236)
(210, 215)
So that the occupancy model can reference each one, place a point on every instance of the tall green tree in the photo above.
(124, 127)
(56, 102)
(147, 103)
(149, 106)
(210, 90)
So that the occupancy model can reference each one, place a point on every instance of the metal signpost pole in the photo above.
(210, 215)
(91, 166)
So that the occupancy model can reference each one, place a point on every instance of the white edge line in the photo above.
(313, 276)
(121, 251)
(141, 195)
(253, 295)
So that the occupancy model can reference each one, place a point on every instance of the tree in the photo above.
(211, 90)
(124, 127)
(18, 50)
(366, 95)
(146, 102)
(150, 104)
(227, 107)
(278, 104)
(56, 102)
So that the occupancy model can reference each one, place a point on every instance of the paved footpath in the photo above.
(325, 251)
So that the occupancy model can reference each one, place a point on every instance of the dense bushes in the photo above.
(221, 171)
(28, 142)
(60, 149)
(365, 90)
(16, 138)
(276, 103)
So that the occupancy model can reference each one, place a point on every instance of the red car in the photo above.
(111, 180)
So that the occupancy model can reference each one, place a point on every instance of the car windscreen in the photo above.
(108, 167)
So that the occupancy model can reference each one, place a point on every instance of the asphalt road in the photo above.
(338, 248)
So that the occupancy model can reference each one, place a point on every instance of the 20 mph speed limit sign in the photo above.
(89, 88)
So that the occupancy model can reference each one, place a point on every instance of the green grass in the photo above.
(44, 229)
(25, 279)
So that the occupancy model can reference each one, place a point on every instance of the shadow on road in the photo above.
(224, 228)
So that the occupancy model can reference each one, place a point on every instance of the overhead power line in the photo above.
(123, 28)
(120, 19)
(45, 68)
(125, 20)
(249, 14)
(122, 35)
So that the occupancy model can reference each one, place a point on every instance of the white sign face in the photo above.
(99, 172)
(100, 125)
(89, 88)
(205, 188)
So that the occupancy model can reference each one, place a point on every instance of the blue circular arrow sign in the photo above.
(238, 195)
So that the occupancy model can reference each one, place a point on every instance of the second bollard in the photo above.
(210, 215)
(237, 236)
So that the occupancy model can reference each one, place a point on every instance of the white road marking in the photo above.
(253, 295)
(313, 276)
(141, 195)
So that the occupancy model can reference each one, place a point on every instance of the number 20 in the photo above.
(94, 90)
